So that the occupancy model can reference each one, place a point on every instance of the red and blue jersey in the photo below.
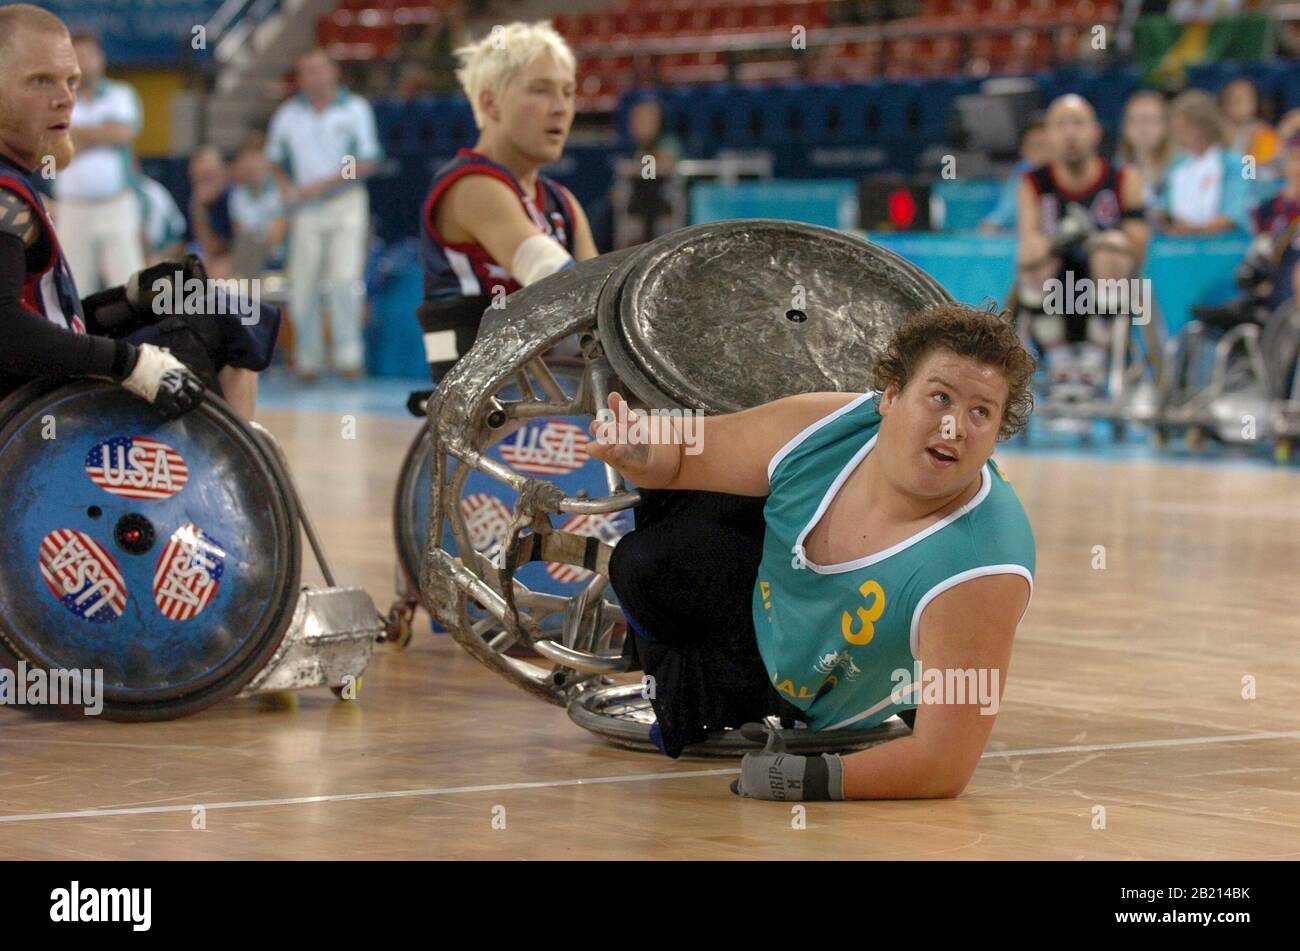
(48, 288)
(465, 268)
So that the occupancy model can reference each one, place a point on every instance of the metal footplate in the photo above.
(328, 644)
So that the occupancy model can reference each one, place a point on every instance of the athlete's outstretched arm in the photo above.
(969, 627)
(734, 449)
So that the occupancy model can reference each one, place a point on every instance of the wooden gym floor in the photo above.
(1123, 732)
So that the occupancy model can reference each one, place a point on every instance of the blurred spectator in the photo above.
(98, 214)
(1269, 273)
(210, 222)
(1248, 134)
(647, 201)
(256, 210)
(324, 143)
(1035, 150)
(1279, 219)
(163, 222)
(1206, 191)
(1145, 142)
(1079, 217)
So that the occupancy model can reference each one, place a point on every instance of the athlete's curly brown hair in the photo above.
(981, 335)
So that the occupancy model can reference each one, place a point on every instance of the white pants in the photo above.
(102, 239)
(327, 257)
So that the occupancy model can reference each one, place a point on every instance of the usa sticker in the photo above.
(188, 574)
(84, 577)
(607, 528)
(547, 447)
(487, 519)
(137, 468)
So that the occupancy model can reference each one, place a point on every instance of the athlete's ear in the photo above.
(487, 104)
(887, 398)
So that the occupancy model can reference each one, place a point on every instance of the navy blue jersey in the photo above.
(1102, 200)
(48, 288)
(466, 269)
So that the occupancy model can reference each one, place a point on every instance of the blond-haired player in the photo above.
(492, 223)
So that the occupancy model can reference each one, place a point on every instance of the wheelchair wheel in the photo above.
(165, 556)
(552, 446)
(621, 715)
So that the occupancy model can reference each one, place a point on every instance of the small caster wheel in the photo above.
(1195, 438)
(349, 691)
(398, 626)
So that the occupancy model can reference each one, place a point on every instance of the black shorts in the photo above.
(685, 578)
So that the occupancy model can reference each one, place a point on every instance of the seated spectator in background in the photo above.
(162, 221)
(1035, 150)
(1248, 134)
(1079, 217)
(256, 210)
(210, 222)
(1145, 142)
(1206, 192)
(1278, 219)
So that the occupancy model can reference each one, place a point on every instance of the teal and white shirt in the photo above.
(164, 224)
(103, 171)
(832, 636)
(252, 211)
(312, 146)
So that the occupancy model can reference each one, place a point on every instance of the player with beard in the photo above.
(43, 318)
(491, 222)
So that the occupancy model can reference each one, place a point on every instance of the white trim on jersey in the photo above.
(53, 306)
(809, 430)
(464, 271)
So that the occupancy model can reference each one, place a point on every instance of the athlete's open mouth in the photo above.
(941, 455)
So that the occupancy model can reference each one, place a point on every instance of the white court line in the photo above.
(352, 797)
(1152, 744)
(633, 778)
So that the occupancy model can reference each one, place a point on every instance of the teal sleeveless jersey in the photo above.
(832, 636)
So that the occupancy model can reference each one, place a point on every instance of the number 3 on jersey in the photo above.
(868, 614)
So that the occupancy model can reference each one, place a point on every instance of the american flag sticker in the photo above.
(486, 518)
(547, 447)
(84, 577)
(188, 574)
(602, 526)
(137, 468)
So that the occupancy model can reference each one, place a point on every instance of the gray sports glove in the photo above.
(776, 774)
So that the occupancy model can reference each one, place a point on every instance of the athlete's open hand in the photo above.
(623, 439)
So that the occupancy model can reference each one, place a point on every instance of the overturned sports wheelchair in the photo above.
(164, 557)
(716, 318)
